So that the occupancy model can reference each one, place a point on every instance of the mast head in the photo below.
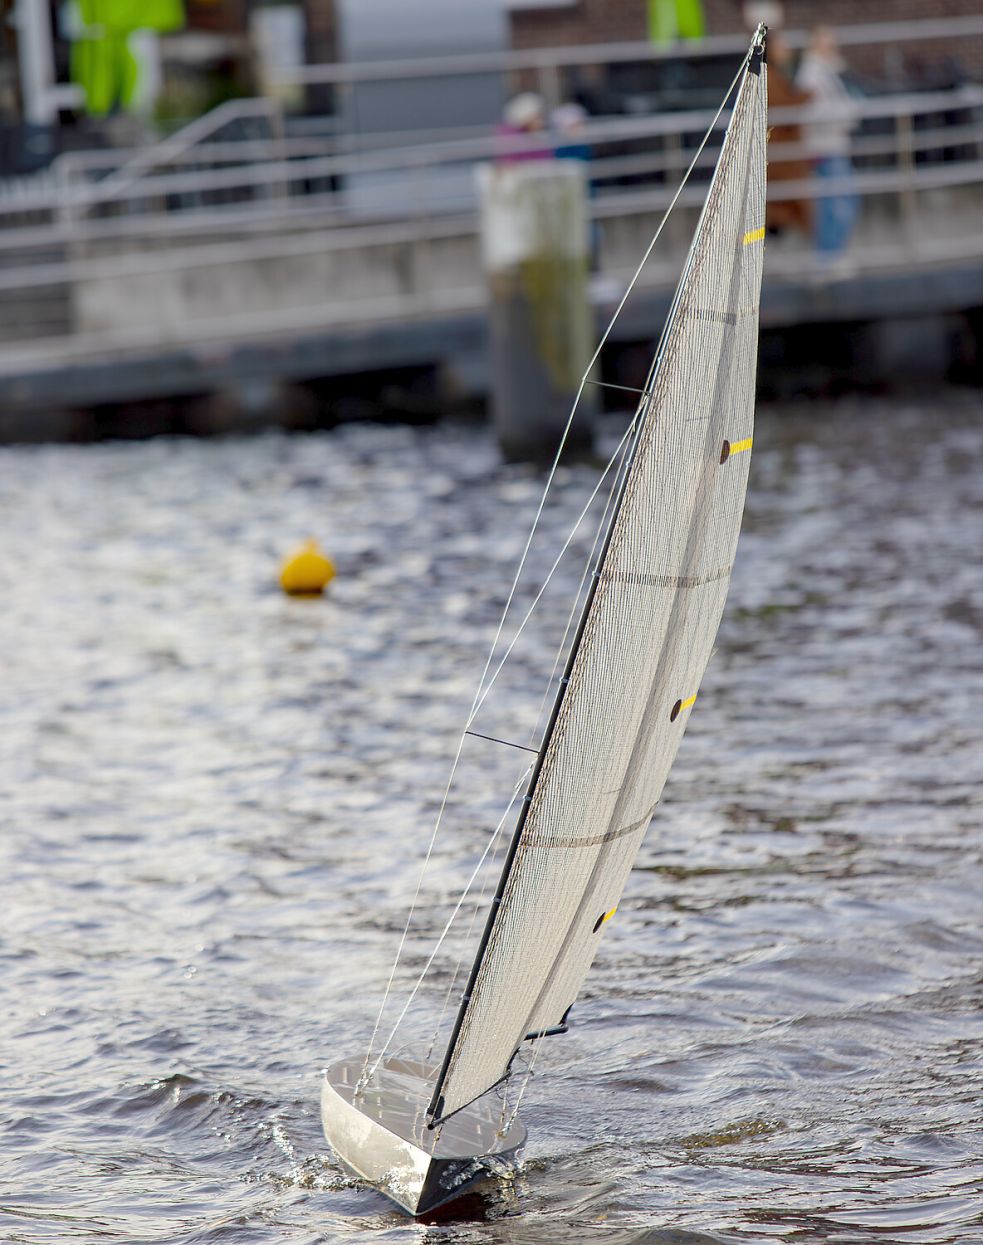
(756, 56)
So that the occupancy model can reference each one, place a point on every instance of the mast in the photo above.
(436, 1102)
(645, 418)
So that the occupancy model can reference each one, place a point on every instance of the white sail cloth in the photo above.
(647, 637)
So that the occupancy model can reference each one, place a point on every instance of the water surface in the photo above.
(214, 801)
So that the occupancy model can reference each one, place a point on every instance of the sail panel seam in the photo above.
(596, 839)
(667, 581)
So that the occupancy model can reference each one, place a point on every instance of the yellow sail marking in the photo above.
(737, 446)
(754, 235)
(607, 916)
(687, 703)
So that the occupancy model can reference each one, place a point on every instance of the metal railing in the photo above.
(652, 150)
(547, 64)
(199, 203)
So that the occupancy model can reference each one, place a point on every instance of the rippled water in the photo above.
(214, 799)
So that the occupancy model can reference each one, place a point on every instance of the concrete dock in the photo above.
(242, 292)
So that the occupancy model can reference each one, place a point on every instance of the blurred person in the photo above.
(568, 124)
(524, 115)
(782, 214)
(827, 139)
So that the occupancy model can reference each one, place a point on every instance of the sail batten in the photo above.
(644, 640)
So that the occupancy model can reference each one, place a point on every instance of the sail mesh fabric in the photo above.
(647, 637)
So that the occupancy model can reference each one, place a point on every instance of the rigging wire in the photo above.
(526, 1078)
(479, 700)
(556, 661)
(626, 436)
(368, 1072)
(588, 566)
(482, 690)
(611, 461)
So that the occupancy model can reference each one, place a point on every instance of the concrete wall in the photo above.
(347, 284)
(166, 302)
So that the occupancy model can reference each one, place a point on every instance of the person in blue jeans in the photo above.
(826, 134)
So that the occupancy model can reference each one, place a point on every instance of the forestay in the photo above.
(646, 637)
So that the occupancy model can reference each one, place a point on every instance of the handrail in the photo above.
(854, 34)
(543, 60)
(319, 207)
(624, 204)
(177, 144)
(467, 151)
(246, 150)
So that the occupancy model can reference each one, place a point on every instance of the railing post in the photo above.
(550, 88)
(680, 222)
(277, 124)
(423, 266)
(64, 206)
(37, 62)
(906, 166)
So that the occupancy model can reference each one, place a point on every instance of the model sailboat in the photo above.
(422, 1132)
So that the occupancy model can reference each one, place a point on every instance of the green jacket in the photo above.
(102, 63)
(676, 19)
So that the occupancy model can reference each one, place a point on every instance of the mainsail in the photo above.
(645, 637)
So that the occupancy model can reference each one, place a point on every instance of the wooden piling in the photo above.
(534, 237)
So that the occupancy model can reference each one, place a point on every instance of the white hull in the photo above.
(381, 1134)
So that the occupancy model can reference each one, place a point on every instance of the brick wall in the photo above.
(601, 21)
(590, 21)
(226, 16)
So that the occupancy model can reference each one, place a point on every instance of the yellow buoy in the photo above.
(307, 571)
